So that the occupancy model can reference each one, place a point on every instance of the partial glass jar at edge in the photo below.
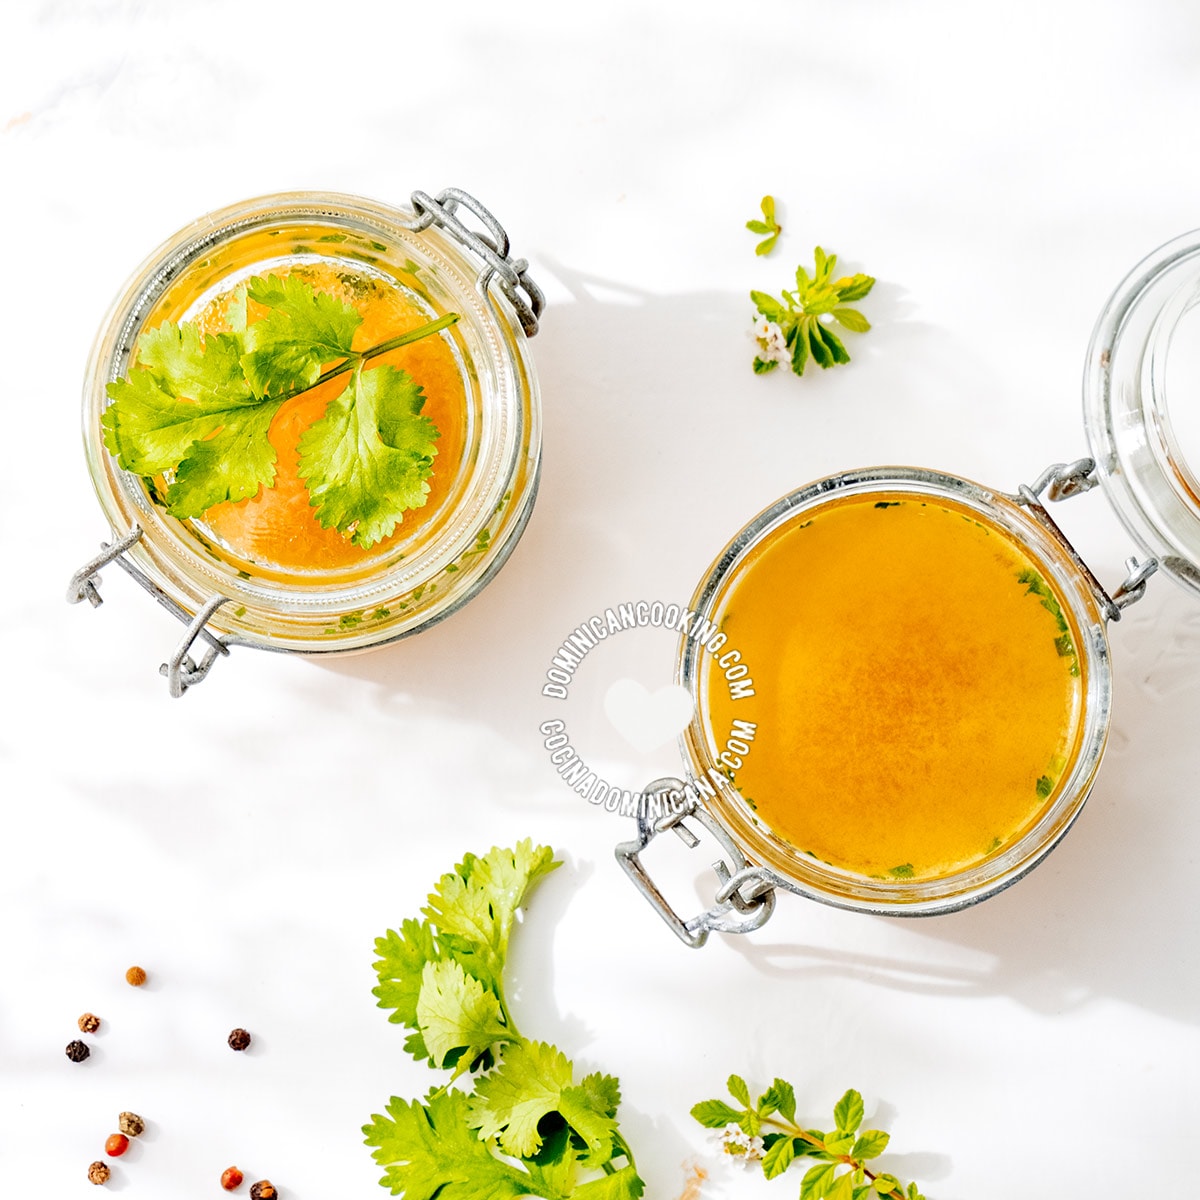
(405, 582)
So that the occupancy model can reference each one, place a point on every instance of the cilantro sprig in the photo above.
(529, 1127)
(796, 327)
(766, 1130)
(768, 225)
(197, 408)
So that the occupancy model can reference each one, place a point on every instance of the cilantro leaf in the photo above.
(231, 465)
(365, 461)
(479, 899)
(624, 1184)
(533, 1080)
(402, 959)
(429, 1151)
(304, 330)
(201, 406)
(458, 1017)
(512, 1099)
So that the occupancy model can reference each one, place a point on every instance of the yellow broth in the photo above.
(917, 691)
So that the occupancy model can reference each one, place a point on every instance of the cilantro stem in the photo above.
(361, 356)
(796, 1132)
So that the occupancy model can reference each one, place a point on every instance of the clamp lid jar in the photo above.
(266, 568)
(906, 693)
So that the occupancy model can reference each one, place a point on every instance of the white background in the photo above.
(998, 167)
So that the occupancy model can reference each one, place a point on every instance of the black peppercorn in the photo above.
(77, 1051)
(239, 1039)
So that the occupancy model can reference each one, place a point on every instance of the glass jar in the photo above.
(901, 680)
(230, 577)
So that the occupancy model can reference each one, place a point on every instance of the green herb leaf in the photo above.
(817, 1181)
(714, 1114)
(767, 225)
(531, 1081)
(738, 1089)
(852, 319)
(623, 1184)
(201, 406)
(798, 316)
(430, 1151)
(848, 1112)
(402, 959)
(779, 1157)
(459, 1018)
(871, 1144)
(304, 330)
(530, 1129)
(782, 1098)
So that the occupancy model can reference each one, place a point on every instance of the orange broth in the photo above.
(917, 688)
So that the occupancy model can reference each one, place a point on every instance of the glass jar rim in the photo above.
(900, 896)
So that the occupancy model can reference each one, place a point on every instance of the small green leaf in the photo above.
(886, 1183)
(768, 306)
(854, 288)
(779, 1157)
(839, 1142)
(714, 1114)
(750, 1123)
(738, 1089)
(871, 1144)
(762, 366)
(799, 349)
(836, 350)
(768, 208)
(767, 245)
(1045, 785)
(782, 1098)
(758, 227)
(848, 1112)
(817, 1181)
(843, 1188)
(852, 319)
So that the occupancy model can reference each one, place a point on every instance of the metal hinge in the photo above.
(181, 670)
(745, 897)
(1061, 481)
(511, 274)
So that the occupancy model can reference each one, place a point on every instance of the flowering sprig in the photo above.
(796, 327)
(766, 1131)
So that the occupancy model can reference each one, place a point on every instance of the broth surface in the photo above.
(917, 690)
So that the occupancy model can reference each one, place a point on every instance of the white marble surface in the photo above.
(998, 167)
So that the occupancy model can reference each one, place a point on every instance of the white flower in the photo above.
(772, 345)
(738, 1144)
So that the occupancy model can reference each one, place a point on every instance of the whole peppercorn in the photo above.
(98, 1172)
(131, 1124)
(116, 1145)
(89, 1023)
(239, 1039)
(135, 977)
(264, 1189)
(231, 1178)
(77, 1051)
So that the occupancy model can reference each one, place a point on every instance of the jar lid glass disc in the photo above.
(1142, 405)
